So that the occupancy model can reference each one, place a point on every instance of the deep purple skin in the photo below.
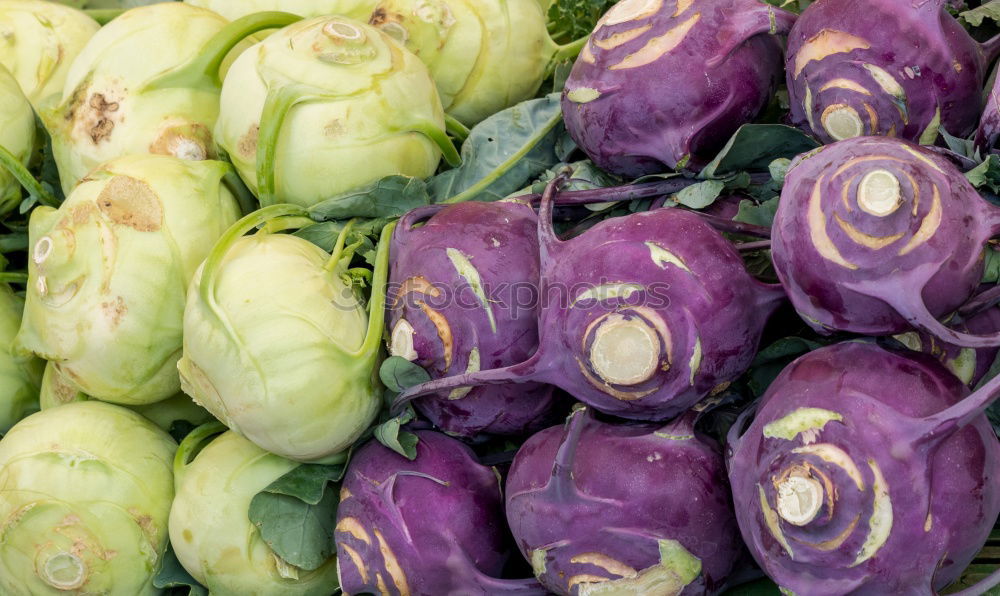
(682, 107)
(501, 240)
(715, 301)
(933, 459)
(983, 323)
(927, 52)
(441, 516)
(616, 489)
(989, 125)
(887, 293)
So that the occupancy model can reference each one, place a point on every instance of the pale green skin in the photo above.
(350, 124)
(57, 391)
(278, 350)
(17, 136)
(20, 378)
(109, 269)
(115, 65)
(212, 535)
(89, 481)
(38, 42)
(484, 55)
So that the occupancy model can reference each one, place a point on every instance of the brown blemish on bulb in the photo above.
(380, 16)
(114, 311)
(192, 142)
(102, 113)
(247, 144)
(131, 202)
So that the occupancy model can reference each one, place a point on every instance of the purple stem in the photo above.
(980, 302)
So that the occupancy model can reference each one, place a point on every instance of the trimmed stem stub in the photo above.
(402, 341)
(879, 193)
(64, 571)
(625, 351)
(842, 122)
(799, 499)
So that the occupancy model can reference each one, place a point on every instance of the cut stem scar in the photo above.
(625, 351)
(799, 499)
(842, 122)
(402, 341)
(879, 193)
(64, 571)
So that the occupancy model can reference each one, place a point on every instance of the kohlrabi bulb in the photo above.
(328, 105)
(86, 496)
(148, 82)
(17, 138)
(38, 42)
(304, 8)
(278, 346)
(211, 532)
(109, 269)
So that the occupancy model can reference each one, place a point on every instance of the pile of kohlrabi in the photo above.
(499, 297)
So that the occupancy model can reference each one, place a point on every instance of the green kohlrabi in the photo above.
(38, 42)
(86, 496)
(17, 139)
(276, 343)
(328, 105)
(211, 532)
(108, 272)
(148, 82)
(19, 377)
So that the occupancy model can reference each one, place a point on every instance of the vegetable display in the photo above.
(377, 114)
(850, 72)
(848, 477)
(433, 525)
(490, 297)
(459, 252)
(637, 339)
(86, 494)
(663, 84)
(114, 261)
(602, 508)
(877, 235)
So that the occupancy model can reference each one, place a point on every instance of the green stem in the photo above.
(13, 242)
(456, 128)
(203, 70)
(338, 248)
(103, 16)
(502, 169)
(563, 53)
(280, 224)
(191, 445)
(234, 184)
(276, 107)
(20, 173)
(13, 278)
(376, 305)
(440, 138)
(236, 231)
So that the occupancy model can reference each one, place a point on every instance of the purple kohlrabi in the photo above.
(899, 68)
(989, 123)
(428, 527)
(464, 298)
(603, 508)
(641, 316)
(877, 235)
(665, 83)
(866, 472)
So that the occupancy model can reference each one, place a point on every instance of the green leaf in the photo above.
(503, 153)
(324, 235)
(755, 146)
(986, 174)
(173, 575)
(391, 196)
(701, 195)
(572, 19)
(989, 10)
(398, 373)
(991, 271)
(758, 214)
(390, 434)
(296, 514)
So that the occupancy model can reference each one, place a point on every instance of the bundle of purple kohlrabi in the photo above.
(899, 68)
(463, 299)
(642, 316)
(603, 508)
(664, 83)
(433, 525)
(878, 236)
(867, 472)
